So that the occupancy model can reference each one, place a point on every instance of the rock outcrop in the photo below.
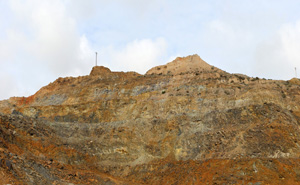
(100, 71)
(186, 122)
(180, 65)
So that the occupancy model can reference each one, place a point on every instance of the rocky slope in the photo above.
(186, 122)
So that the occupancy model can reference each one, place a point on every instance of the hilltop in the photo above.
(186, 122)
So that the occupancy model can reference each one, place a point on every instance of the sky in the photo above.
(41, 40)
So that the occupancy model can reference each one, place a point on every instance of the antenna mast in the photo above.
(96, 58)
(296, 71)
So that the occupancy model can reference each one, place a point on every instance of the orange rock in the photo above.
(185, 122)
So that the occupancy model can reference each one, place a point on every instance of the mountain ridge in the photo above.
(195, 124)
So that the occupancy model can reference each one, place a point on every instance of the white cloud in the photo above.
(51, 36)
(279, 54)
(222, 34)
(227, 45)
(41, 40)
(7, 89)
(138, 55)
(290, 39)
(40, 43)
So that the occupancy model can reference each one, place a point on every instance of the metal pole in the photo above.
(96, 58)
(296, 71)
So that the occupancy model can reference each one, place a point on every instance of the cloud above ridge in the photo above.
(138, 55)
(279, 54)
(43, 40)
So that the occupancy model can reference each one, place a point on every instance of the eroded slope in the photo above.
(186, 122)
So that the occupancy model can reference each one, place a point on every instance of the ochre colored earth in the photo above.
(185, 122)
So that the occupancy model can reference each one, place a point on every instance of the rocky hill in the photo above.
(185, 122)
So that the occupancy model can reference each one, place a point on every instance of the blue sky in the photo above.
(41, 40)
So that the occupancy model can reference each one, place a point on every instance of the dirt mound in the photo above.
(100, 70)
(189, 64)
(295, 81)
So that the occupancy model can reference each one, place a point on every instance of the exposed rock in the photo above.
(196, 124)
(100, 70)
(295, 81)
(180, 65)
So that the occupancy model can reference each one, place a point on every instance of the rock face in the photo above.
(186, 122)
